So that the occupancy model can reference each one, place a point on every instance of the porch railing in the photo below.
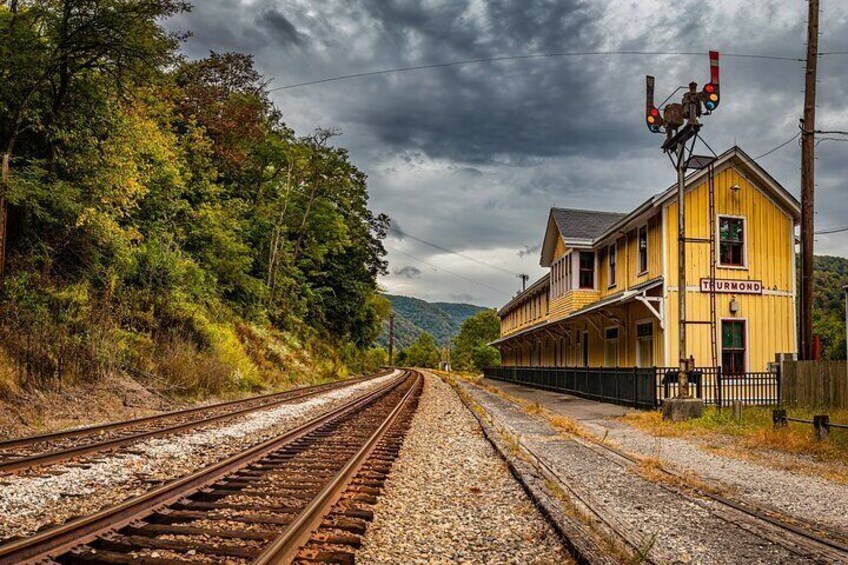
(645, 387)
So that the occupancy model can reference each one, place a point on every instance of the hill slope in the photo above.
(414, 316)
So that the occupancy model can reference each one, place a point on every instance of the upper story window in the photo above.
(643, 249)
(587, 269)
(731, 241)
(611, 254)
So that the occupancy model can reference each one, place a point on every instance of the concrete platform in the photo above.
(567, 405)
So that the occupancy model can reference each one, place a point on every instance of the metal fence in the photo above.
(645, 387)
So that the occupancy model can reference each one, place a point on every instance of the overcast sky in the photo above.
(470, 158)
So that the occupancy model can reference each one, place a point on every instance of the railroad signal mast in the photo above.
(681, 123)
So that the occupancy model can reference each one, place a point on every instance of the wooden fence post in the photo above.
(821, 424)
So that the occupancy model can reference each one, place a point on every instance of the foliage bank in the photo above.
(160, 213)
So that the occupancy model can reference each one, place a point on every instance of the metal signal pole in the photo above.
(808, 186)
(683, 376)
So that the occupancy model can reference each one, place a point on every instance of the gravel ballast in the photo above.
(30, 501)
(677, 528)
(451, 499)
(763, 482)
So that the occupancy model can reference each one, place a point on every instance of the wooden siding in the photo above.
(770, 246)
(814, 384)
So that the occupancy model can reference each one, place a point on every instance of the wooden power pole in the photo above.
(808, 186)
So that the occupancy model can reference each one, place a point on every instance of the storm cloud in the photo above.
(470, 157)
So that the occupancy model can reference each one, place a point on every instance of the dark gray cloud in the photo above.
(409, 271)
(529, 250)
(471, 157)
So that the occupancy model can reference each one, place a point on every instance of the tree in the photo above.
(475, 333)
(422, 353)
(62, 55)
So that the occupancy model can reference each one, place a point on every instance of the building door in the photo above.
(585, 349)
(645, 344)
(733, 347)
(611, 347)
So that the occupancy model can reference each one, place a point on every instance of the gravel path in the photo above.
(806, 497)
(31, 501)
(679, 529)
(451, 499)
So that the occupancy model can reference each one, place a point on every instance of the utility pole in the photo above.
(808, 186)
(391, 339)
(524, 278)
(845, 288)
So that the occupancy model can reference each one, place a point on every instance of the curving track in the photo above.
(33, 451)
(299, 497)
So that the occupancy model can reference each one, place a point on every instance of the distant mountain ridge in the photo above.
(414, 316)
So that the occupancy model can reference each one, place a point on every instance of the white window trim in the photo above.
(719, 264)
(647, 250)
(609, 265)
(644, 322)
(746, 325)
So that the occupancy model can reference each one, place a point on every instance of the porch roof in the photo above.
(616, 299)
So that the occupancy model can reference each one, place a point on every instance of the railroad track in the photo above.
(812, 542)
(301, 497)
(34, 451)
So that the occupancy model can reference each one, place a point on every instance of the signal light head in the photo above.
(711, 96)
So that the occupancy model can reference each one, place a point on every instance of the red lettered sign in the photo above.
(732, 286)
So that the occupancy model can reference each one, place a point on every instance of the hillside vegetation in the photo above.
(831, 274)
(162, 216)
(413, 317)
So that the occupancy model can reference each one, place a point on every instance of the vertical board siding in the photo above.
(814, 384)
(770, 249)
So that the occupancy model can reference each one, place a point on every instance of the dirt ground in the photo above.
(116, 397)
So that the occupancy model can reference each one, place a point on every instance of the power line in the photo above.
(529, 56)
(438, 268)
(832, 230)
(401, 233)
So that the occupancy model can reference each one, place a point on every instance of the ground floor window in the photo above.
(645, 344)
(733, 345)
(611, 347)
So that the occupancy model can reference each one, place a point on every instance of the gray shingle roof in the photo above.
(583, 224)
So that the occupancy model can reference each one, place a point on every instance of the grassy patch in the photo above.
(754, 432)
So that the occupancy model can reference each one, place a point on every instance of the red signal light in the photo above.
(655, 112)
(710, 88)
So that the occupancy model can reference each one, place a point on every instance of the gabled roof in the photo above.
(586, 228)
(583, 224)
(576, 228)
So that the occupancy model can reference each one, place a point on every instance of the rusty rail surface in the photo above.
(242, 488)
(51, 454)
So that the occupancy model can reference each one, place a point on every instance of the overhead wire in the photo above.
(402, 234)
(438, 268)
(528, 56)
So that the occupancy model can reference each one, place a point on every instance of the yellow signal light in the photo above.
(714, 97)
(651, 119)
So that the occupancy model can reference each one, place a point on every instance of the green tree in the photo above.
(476, 331)
(423, 353)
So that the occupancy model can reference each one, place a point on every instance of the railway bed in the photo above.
(303, 496)
(26, 453)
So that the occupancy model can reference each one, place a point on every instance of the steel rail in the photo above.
(97, 428)
(55, 541)
(744, 507)
(284, 549)
(57, 456)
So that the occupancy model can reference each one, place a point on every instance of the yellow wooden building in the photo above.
(609, 298)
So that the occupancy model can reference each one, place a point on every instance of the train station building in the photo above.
(609, 298)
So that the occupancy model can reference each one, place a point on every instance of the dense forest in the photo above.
(159, 214)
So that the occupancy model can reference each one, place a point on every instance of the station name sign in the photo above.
(732, 286)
